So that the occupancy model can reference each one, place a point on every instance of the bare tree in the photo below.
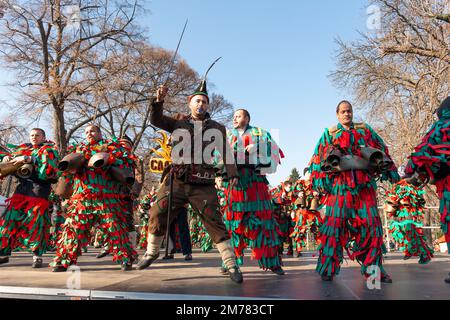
(2, 9)
(121, 104)
(399, 74)
(11, 132)
(53, 45)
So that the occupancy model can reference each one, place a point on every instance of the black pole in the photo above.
(169, 211)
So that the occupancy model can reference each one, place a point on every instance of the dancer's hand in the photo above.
(21, 160)
(161, 93)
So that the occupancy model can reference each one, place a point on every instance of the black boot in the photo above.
(4, 260)
(37, 262)
(59, 268)
(146, 261)
(127, 266)
(385, 278)
(278, 270)
(447, 280)
(235, 274)
(102, 254)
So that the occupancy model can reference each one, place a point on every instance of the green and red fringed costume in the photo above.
(99, 237)
(97, 200)
(144, 209)
(306, 219)
(405, 205)
(431, 158)
(284, 205)
(249, 216)
(26, 222)
(199, 236)
(57, 217)
(351, 219)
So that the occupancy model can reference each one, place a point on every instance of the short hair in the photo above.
(342, 102)
(246, 113)
(39, 129)
(95, 126)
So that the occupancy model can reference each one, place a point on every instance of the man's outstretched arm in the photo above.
(157, 118)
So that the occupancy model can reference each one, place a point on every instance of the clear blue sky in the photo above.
(276, 56)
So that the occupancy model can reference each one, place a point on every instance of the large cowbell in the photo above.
(72, 161)
(332, 160)
(25, 171)
(376, 158)
(336, 162)
(21, 170)
(98, 160)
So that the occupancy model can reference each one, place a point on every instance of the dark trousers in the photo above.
(183, 228)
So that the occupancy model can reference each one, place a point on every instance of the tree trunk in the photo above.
(60, 129)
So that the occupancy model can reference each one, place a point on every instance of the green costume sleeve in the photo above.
(46, 162)
(320, 180)
(273, 153)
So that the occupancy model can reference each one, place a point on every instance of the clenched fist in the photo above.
(161, 93)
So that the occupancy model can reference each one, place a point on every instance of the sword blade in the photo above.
(206, 73)
(175, 54)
